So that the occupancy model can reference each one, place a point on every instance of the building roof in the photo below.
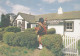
(27, 17)
(51, 16)
(65, 15)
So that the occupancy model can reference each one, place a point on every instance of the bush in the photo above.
(27, 39)
(51, 31)
(9, 37)
(7, 50)
(1, 35)
(30, 30)
(21, 39)
(0, 29)
(12, 29)
(53, 43)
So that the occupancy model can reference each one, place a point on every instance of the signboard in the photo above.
(55, 22)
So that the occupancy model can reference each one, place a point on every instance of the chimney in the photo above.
(60, 11)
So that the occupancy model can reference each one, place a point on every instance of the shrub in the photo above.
(12, 29)
(9, 37)
(6, 50)
(3, 28)
(21, 39)
(1, 35)
(0, 29)
(30, 30)
(26, 39)
(53, 43)
(51, 31)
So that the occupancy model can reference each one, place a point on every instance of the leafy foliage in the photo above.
(0, 29)
(9, 37)
(12, 29)
(30, 30)
(1, 35)
(51, 31)
(53, 43)
(7, 50)
(27, 39)
(5, 20)
(0, 24)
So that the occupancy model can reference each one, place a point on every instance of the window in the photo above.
(19, 24)
(28, 25)
(69, 26)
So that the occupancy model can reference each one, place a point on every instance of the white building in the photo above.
(65, 23)
(24, 21)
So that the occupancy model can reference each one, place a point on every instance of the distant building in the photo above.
(65, 23)
(24, 21)
(12, 18)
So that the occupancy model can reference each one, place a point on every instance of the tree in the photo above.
(5, 20)
(0, 24)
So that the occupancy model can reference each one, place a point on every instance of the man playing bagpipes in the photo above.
(41, 30)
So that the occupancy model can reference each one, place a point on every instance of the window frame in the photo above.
(66, 27)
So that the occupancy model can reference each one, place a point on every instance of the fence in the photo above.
(70, 45)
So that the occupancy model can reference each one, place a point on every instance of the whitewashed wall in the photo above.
(76, 32)
(26, 24)
(19, 19)
(33, 25)
(59, 28)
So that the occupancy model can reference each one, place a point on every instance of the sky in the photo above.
(37, 7)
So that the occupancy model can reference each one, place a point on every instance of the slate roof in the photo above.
(27, 17)
(51, 16)
(65, 15)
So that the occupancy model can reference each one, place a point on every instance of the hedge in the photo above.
(54, 43)
(51, 31)
(0, 29)
(12, 29)
(9, 37)
(1, 35)
(30, 30)
(27, 39)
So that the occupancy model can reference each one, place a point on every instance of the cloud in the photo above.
(39, 4)
(62, 1)
(52, 9)
(49, 1)
(77, 6)
(41, 9)
(9, 3)
(2, 10)
(20, 8)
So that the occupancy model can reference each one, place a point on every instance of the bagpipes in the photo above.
(44, 26)
(37, 29)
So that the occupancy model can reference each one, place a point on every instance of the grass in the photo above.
(6, 50)
(46, 52)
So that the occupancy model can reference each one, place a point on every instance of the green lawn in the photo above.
(6, 50)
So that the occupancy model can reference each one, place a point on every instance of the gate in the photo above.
(70, 45)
